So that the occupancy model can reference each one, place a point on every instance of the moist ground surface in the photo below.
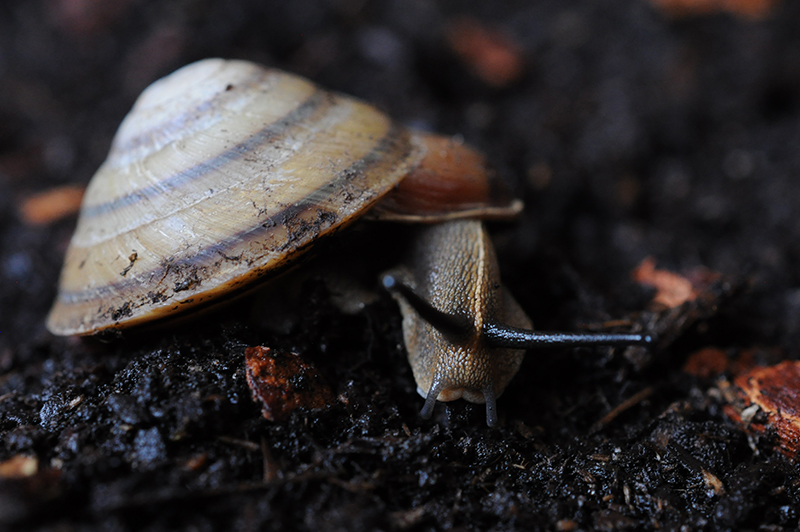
(629, 134)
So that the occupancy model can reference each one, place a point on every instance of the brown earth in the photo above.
(630, 132)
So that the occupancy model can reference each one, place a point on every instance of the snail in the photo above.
(225, 172)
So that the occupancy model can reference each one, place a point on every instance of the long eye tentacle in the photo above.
(500, 335)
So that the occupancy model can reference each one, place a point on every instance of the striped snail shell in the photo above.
(224, 172)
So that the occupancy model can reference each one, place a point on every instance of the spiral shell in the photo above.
(223, 173)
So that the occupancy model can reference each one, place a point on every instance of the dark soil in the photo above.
(629, 135)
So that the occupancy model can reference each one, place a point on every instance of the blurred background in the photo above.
(666, 129)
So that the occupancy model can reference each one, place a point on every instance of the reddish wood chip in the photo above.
(20, 466)
(87, 16)
(490, 54)
(748, 9)
(51, 205)
(673, 290)
(769, 401)
(708, 362)
(713, 361)
(282, 382)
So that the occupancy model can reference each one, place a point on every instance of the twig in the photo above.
(632, 401)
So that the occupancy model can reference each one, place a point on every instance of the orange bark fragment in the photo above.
(775, 391)
(51, 205)
(747, 9)
(86, 17)
(282, 382)
(713, 361)
(708, 362)
(673, 290)
(490, 54)
(20, 466)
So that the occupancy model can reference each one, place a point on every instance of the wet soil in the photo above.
(628, 133)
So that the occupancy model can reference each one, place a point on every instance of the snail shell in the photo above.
(225, 172)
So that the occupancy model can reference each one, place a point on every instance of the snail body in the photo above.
(453, 268)
(465, 333)
(224, 173)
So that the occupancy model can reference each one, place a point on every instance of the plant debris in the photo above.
(747, 9)
(767, 400)
(673, 290)
(283, 382)
(20, 466)
(51, 205)
(490, 54)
